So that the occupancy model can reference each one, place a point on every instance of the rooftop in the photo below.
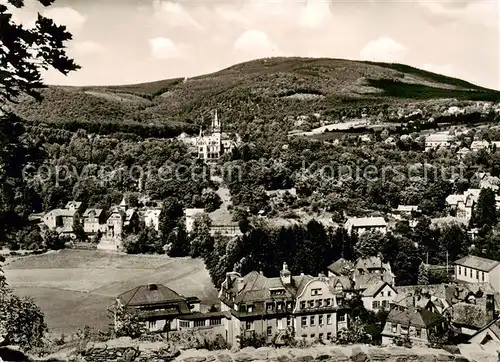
(414, 316)
(152, 294)
(366, 221)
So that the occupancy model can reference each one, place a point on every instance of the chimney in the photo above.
(152, 287)
(285, 275)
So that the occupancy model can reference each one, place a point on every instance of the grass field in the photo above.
(75, 287)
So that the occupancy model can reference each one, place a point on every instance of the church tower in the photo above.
(216, 125)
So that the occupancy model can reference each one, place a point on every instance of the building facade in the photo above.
(360, 225)
(474, 269)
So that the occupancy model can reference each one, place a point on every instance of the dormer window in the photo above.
(288, 305)
(250, 309)
(315, 292)
(269, 307)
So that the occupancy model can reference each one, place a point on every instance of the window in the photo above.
(385, 304)
(470, 273)
(318, 303)
(184, 324)
(404, 330)
(320, 336)
(313, 335)
(382, 293)
(338, 287)
(288, 321)
(312, 320)
(341, 317)
(215, 321)
(279, 306)
(394, 328)
(418, 333)
(303, 322)
(340, 301)
(375, 304)
(269, 307)
(152, 324)
(459, 270)
(482, 276)
(250, 308)
(249, 325)
(288, 305)
(329, 335)
(327, 302)
(388, 293)
(320, 320)
(316, 291)
(311, 304)
(199, 323)
(302, 305)
(477, 274)
(269, 331)
(329, 319)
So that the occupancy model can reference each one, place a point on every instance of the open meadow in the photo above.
(74, 288)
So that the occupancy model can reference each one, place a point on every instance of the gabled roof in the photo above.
(416, 317)
(94, 212)
(493, 326)
(478, 263)
(73, 205)
(470, 315)
(145, 295)
(374, 288)
(61, 212)
(371, 262)
(340, 265)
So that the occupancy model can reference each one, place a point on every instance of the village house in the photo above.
(379, 295)
(94, 221)
(221, 221)
(152, 218)
(479, 145)
(370, 270)
(304, 306)
(462, 206)
(439, 140)
(157, 306)
(405, 211)
(474, 269)
(414, 323)
(64, 220)
(361, 225)
(340, 267)
(121, 220)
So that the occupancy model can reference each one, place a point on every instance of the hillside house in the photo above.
(474, 269)
(361, 225)
(158, 306)
(405, 211)
(462, 206)
(439, 140)
(306, 306)
(94, 221)
(152, 218)
(190, 215)
(112, 239)
(64, 220)
(212, 146)
(479, 145)
(415, 323)
(379, 295)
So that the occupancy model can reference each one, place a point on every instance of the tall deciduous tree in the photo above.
(24, 54)
(485, 212)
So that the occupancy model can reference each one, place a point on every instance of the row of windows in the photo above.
(320, 336)
(404, 330)
(377, 304)
(201, 323)
(471, 273)
(318, 303)
(321, 320)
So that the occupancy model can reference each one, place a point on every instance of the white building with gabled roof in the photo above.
(361, 225)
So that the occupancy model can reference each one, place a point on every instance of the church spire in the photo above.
(216, 126)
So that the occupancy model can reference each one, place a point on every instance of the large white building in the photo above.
(364, 224)
(210, 147)
(474, 269)
(439, 140)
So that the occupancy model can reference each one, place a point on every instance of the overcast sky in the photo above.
(129, 41)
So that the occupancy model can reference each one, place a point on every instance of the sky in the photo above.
(131, 41)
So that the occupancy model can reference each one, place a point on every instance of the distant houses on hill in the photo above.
(110, 225)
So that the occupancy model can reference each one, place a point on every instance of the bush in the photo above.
(403, 341)
(254, 340)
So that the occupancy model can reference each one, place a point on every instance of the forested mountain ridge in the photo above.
(269, 89)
